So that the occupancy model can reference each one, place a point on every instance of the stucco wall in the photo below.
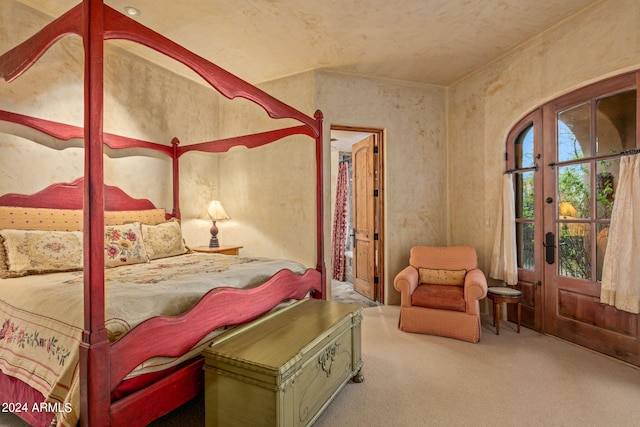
(269, 191)
(141, 101)
(414, 123)
(599, 42)
(50, 89)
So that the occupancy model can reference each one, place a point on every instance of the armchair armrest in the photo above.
(406, 282)
(475, 288)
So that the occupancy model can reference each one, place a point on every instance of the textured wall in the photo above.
(141, 101)
(599, 42)
(50, 89)
(269, 192)
(413, 119)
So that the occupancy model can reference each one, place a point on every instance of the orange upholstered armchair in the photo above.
(440, 290)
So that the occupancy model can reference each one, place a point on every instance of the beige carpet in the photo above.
(507, 380)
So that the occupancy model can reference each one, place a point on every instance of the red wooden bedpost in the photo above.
(94, 350)
(320, 205)
(176, 178)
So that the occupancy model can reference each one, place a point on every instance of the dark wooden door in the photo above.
(582, 148)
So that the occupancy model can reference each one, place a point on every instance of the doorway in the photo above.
(357, 236)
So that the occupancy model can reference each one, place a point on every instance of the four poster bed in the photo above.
(120, 346)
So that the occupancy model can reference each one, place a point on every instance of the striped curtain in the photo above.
(621, 270)
(339, 234)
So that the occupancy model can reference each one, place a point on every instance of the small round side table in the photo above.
(499, 294)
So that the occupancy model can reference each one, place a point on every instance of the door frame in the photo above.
(379, 186)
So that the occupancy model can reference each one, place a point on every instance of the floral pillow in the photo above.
(25, 252)
(163, 240)
(123, 245)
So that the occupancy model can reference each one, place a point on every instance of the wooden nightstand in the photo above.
(224, 250)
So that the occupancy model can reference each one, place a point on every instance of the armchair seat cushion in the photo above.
(439, 297)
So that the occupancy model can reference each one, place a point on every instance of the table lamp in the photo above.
(216, 212)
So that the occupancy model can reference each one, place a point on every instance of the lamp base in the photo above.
(213, 242)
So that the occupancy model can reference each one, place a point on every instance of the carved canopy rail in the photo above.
(66, 132)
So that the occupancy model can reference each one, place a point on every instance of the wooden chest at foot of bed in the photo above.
(284, 368)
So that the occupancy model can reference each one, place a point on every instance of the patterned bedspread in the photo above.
(42, 316)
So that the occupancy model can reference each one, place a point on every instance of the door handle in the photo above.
(550, 247)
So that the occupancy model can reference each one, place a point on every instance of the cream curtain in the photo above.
(621, 269)
(504, 261)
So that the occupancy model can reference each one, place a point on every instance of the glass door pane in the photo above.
(574, 191)
(525, 196)
(574, 215)
(525, 240)
(574, 133)
(607, 172)
(616, 123)
(524, 157)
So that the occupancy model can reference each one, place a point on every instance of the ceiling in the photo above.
(343, 140)
(426, 41)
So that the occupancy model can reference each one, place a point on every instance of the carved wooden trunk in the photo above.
(284, 368)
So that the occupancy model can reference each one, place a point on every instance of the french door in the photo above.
(565, 188)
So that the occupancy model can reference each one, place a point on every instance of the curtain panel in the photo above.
(621, 269)
(339, 234)
(504, 261)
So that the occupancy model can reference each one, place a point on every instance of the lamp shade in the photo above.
(216, 211)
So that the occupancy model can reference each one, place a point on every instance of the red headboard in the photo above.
(70, 195)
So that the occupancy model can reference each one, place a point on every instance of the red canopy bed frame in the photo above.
(103, 365)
